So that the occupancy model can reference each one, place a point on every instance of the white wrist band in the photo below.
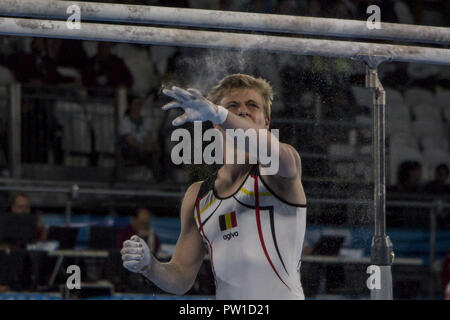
(221, 116)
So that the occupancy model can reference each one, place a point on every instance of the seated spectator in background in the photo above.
(140, 226)
(106, 70)
(36, 68)
(20, 204)
(136, 139)
(15, 263)
(40, 130)
(438, 185)
(409, 177)
(69, 53)
(408, 188)
(41, 133)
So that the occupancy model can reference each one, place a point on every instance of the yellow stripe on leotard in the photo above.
(251, 193)
(206, 207)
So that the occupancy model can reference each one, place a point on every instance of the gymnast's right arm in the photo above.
(178, 275)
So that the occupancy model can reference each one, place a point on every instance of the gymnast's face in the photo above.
(246, 103)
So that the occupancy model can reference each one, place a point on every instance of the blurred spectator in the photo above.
(439, 184)
(20, 204)
(40, 130)
(41, 133)
(13, 262)
(36, 68)
(408, 187)
(140, 226)
(106, 70)
(409, 177)
(136, 139)
(68, 53)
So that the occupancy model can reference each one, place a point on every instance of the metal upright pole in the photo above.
(382, 253)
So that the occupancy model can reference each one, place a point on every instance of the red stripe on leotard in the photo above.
(258, 223)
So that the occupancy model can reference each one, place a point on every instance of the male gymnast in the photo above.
(251, 223)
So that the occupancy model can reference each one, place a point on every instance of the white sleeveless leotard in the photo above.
(254, 238)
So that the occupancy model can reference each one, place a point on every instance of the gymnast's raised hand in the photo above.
(195, 106)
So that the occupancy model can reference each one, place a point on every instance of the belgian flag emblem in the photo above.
(227, 221)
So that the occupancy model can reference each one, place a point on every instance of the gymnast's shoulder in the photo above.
(190, 197)
(290, 164)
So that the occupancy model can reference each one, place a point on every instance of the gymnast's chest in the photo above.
(229, 224)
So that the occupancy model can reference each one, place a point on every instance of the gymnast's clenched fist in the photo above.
(136, 255)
